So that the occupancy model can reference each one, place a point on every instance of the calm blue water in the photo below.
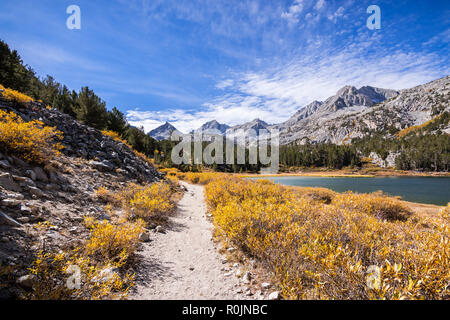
(432, 190)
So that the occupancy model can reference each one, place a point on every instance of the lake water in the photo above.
(431, 190)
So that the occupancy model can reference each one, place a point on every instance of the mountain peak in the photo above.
(259, 121)
(347, 96)
(163, 132)
(213, 127)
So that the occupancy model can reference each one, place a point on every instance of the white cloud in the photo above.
(44, 54)
(224, 84)
(293, 13)
(319, 4)
(339, 13)
(443, 37)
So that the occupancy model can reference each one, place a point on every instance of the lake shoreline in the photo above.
(418, 190)
(347, 174)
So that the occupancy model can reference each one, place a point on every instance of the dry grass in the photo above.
(109, 247)
(375, 204)
(113, 242)
(320, 251)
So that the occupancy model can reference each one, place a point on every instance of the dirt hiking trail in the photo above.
(184, 263)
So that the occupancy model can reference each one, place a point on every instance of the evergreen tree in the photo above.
(117, 121)
(13, 74)
(91, 109)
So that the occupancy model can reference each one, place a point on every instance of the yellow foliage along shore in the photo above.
(332, 246)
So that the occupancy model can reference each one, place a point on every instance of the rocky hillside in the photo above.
(43, 207)
(345, 98)
(354, 112)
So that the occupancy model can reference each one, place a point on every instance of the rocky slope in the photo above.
(344, 99)
(354, 112)
(60, 194)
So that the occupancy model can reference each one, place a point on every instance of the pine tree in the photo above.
(91, 109)
(117, 121)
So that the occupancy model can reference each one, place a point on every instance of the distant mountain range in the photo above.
(350, 113)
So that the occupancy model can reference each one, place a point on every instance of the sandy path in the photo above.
(184, 263)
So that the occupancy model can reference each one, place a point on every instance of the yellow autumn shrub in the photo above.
(200, 177)
(149, 201)
(109, 241)
(374, 204)
(107, 196)
(445, 212)
(13, 95)
(170, 171)
(101, 262)
(330, 251)
(115, 136)
(318, 194)
(410, 129)
(32, 141)
(53, 272)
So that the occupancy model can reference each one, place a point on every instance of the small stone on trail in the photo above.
(247, 277)
(274, 296)
(160, 229)
(144, 237)
(265, 285)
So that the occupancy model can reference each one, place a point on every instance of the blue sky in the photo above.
(189, 62)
